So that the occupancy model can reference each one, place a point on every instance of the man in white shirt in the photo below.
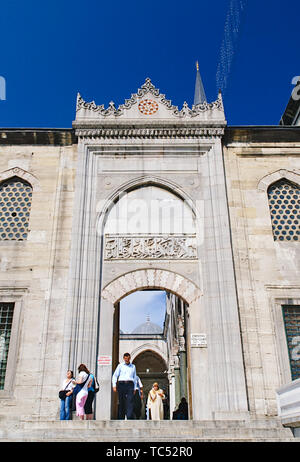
(124, 381)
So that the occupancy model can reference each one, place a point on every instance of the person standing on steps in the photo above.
(88, 407)
(155, 402)
(66, 402)
(125, 383)
(83, 381)
(138, 398)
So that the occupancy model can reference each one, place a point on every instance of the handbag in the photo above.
(79, 386)
(63, 393)
(96, 387)
(76, 390)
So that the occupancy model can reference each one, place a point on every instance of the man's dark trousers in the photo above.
(126, 400)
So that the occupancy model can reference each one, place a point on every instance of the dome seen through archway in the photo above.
(143, 312)
(147, 328)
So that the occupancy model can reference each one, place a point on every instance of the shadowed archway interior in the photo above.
(152, 368)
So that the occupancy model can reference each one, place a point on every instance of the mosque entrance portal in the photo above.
(152, 214)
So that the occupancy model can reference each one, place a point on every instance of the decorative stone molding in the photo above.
(150, 133)
(150, 247)
(148, 88)
(288, 404)
(180, 324)
(267, 180)
(151, 279)
(147, 114)
(19, 172)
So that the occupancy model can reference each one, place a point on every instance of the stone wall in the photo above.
(267, 271)
(34, 272)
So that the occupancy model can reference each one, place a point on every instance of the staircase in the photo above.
(252, 430)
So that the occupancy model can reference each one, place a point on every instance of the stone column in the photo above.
(81, 314)
(227, 387)
(183, 384)
(182, 358)
(199, 366)
(105, 347)
(171, 376)
(177, 381)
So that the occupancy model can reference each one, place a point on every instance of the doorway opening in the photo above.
(151, 368)
(152, 326)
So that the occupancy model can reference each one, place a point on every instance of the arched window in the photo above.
(284, 203)
(150, 209)
(15, 205)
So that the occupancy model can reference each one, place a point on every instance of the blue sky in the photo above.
(135, 308)
(105, 50)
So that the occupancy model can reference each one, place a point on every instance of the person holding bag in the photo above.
(92, 390)
(65, 396)
(82, 383)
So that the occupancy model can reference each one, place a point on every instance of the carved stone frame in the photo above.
(16, 296)
(282, 295)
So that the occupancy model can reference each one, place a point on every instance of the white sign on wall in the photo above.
(104, 360)
(198, 340)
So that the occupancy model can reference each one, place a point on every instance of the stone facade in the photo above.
(228, 269)
(267, 271)
(34, 273)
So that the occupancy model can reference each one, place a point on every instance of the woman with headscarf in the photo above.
(155, 403)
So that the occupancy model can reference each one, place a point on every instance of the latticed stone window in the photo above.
(284, 202)
(6, 318)
(15, 205)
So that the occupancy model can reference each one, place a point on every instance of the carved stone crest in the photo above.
(99, 111)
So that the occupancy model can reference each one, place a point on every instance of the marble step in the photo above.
(145, 431)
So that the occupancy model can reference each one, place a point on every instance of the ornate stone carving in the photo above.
(176, 362)
(181, 339)
(151, 278)
(92, 106)
(149, 133)
(150, 247)
(21, 173)
(147, 88)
